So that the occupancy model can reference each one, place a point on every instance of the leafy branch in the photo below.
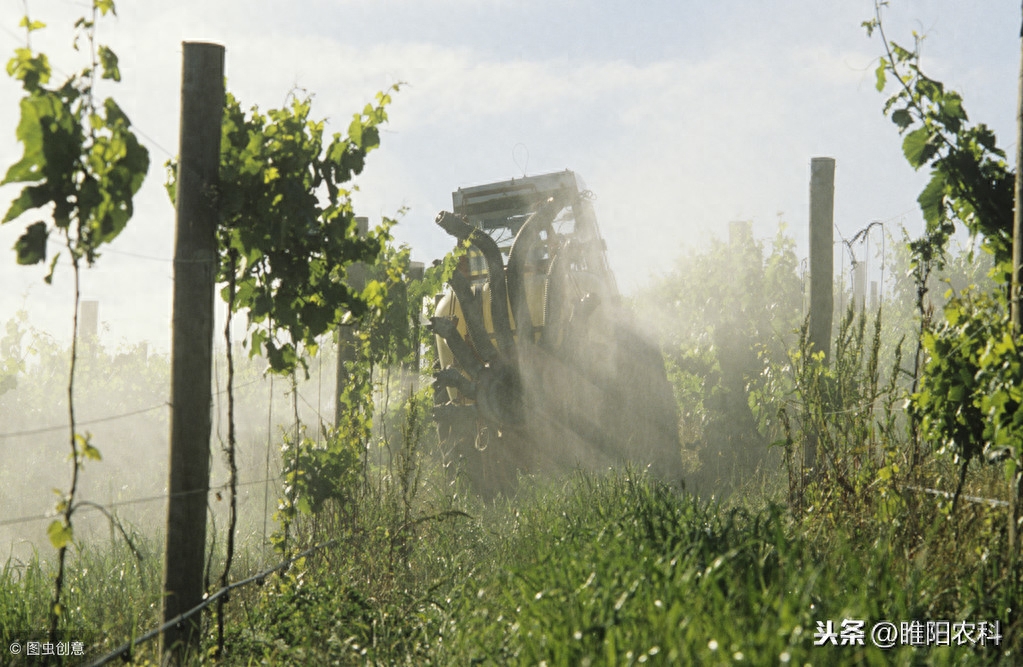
(970, 180)
(286, 213)
(971, 387)
(286, 237)
(84, 165)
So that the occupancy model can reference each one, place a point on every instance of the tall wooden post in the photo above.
(860, 285)
(416, 273)
(195, 264)
(822, 257)
(822, 268)
(1016, 294)
(346, 332)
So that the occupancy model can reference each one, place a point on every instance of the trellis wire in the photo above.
(128, 646)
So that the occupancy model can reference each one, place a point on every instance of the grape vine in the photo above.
(970, 392)
(84, 166)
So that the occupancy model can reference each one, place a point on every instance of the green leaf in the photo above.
(355, 130)
(108, 61)
(31, 26)
(932, 199)
(48, 279)
(105, 7)
(30, 134)
(31, 246)
(880, 74)
(914, 146)
(902, 118)
(60, 534)
(85, 448)
(32, 70)
(30, 197)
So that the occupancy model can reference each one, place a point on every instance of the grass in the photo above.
(601, 570)
(110, 593)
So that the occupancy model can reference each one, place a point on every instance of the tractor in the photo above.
(539, 365)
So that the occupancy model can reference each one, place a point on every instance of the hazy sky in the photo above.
(679, 116)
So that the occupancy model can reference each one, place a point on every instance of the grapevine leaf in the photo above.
(85, 447)
(31, 246)
(108, 60)
(106, 7)
(914, 146)
(30, 133)
(60, 534)
(30, 197)
(355, 130)
(32, 70)
(30, 25)
(932, 198)
(48, 279)
(902, 118)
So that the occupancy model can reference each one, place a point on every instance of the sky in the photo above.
(679, 116)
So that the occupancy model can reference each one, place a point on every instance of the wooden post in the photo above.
(740, 233)
(822, 268)
(346, 332)
(88, 331)
(416, 273)
(1016, 301)
(860, 285)
(195, 264)
(822, 258)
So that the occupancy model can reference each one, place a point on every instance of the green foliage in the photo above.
(287, 228)
(598, 570)
(12, 352)
(843, 413)
(386, 339)
(969, 389)
(970, 180)
(111, 592)
(972, 384)
(617, 570)
(315, 472)
(717, 315)
(82, 158)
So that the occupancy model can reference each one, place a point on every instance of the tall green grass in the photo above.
(602, 570)
(112, 592)
(624, 571)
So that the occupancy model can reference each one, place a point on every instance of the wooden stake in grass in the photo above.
(195, 270)
(1016, 293)
(822, 268)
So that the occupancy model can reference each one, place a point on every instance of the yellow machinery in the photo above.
(556, 376)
